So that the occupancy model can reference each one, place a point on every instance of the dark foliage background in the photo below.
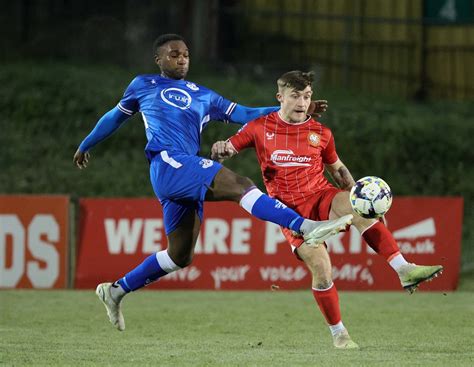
(47, 109)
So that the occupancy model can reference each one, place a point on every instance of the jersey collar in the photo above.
(292, 123)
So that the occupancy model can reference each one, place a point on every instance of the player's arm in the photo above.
(224, 110)
(243, 139)
(107, 124)
(242, 114)
(334, 165)
(221, 109)
(341, 175)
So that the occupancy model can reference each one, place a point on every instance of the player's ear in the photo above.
(158, 60)
(279, 97)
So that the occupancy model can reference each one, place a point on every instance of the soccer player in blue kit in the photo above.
(174, 113)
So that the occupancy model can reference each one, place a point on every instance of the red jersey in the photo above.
(291, 156)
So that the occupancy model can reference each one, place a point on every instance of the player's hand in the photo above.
(316, 108)
(221, 150)
(81, 159)
(218, 151)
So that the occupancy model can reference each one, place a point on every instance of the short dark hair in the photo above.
(164, 38)
(296, 79)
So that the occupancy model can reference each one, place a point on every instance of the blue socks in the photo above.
(148, 271)
(266, 208)
(152, 268)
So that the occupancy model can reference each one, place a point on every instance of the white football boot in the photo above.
(411, 275)
(342, 340)
(322, 230)
(113, 308)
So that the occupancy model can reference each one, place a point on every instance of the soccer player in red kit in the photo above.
(293, 151)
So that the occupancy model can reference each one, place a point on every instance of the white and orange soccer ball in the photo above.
(371, 197)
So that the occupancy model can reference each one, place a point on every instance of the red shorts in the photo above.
(316, 208)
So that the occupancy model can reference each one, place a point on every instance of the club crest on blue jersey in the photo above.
(206, 163)
(192, 86)
(177, 98)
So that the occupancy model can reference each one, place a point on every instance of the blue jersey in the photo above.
(174, 112)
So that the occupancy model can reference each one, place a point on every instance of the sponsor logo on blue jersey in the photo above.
(192, 86)
(177, 98)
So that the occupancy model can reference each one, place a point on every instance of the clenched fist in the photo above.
(222, 150)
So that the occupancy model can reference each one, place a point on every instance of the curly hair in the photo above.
(164, 38)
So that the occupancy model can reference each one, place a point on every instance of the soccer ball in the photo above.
(371, 197)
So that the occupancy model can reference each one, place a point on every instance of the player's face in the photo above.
(294, 103)
(173, 60)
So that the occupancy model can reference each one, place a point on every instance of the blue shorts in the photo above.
(180, 182)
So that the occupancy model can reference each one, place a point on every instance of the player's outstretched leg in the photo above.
(113, 307)
(272, 210)
(381, 240)
(411, 275)
(227, 185)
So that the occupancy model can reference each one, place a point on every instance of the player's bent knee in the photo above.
(244, 183)
(341, 204)
(185, 261)
(181, 259)
(228, 185)
(242, 186)
(247, 182)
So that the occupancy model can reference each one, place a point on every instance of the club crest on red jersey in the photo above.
(313, 139)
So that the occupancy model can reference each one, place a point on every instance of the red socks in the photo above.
(328, 302)
(379, 238)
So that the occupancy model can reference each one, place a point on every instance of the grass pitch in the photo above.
(195, 328)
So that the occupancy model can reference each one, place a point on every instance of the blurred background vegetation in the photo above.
(47, 109)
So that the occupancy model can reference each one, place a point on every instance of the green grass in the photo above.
(195, 328)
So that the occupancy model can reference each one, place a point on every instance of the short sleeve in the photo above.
(245, 137)
(129, 102)
(329, 154)
(221, 108)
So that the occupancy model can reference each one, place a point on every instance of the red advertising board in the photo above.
(34, 241)
(237, 251)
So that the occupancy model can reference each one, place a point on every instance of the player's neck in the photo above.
(163, 75)
(288, 120)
